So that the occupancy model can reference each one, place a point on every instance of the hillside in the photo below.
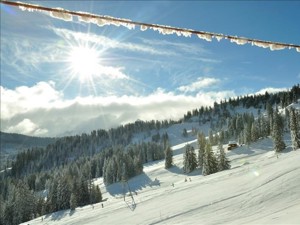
(259, 189)
(11, 144)
(83, 172)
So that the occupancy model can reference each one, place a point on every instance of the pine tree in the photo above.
(223, 162)
(211, 137)
(186, 159)
(277, 133)
(98, 194)
(168, 157)
(192, 159)
(254, 132)
(52, 196)
(201, 144)
(124, 173)
(9, 213)
(184, 133)
(24, 205)
(73, 201)
(95, 195)
(210, 164)
(239, 124)
(138, 164)
(247, 133)
(189, 159)
(295, 136)
(63, 193)
(83, 192)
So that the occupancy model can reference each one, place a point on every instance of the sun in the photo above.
(84, 62)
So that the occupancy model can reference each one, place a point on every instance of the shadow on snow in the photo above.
(134, 185)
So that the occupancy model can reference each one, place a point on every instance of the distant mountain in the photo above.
(11, 144)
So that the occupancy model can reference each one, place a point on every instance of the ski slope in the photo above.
(260, 188)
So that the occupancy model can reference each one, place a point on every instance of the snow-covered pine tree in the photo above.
(201, 144)
(277, 133)
(73, 201)
(210, 164)
(124, 173)
(247, 133)
(185, 159)
(24, 204)
(239, 124)
(211, 137)
(168, 157)
(52, 195)
(95, 195)
(192, 159)
(63, 193)
(189, 159)
(138, 164)
(223, 161)
(254, 132)
(295, 136)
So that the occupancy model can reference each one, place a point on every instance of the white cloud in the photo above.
(202, 82)
(188, 48)
(112, 72)
(24, 99)
(27, 127)
(192, 51)
(107, 43)
(43, 110)
(24, 55)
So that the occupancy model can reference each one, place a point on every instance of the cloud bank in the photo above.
(201, 83)
(42, 110)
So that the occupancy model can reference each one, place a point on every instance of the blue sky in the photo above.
(61, 77)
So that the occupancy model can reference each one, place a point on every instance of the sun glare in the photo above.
(84, 62)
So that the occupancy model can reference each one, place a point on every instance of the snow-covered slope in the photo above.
(261, 188)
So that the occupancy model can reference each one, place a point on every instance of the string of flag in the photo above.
(103, 20)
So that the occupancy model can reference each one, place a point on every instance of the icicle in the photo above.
(298, 49)
(85, 19)
(239, 41)
(107, 20)
(124, 22)
(24, 8)
(261, 44)
(186, 33)
(155, 28)
(218, 37)
(143, 27)
(61, 15)
(167, 31)
(29, 8)
(128, 25)
(101, 22)
(116, 23)
(207, 37)
(178, 33)
(163, 31)
(276, 47)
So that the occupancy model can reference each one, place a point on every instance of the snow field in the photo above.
(259, 189)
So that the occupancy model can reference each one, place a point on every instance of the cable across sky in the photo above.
(102, 20)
